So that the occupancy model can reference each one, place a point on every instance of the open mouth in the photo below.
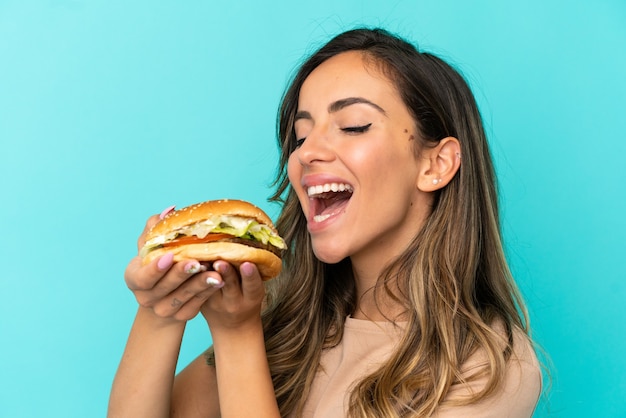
(328, 199)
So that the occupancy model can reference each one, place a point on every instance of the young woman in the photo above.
(395, 298)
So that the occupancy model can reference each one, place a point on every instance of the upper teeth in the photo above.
(328, 187)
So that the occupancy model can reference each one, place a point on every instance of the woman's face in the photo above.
(355, 169)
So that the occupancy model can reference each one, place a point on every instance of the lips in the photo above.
(328, 199)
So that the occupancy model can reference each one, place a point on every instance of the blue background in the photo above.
(112, 110)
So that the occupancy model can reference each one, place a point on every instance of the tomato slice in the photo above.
(195, 240)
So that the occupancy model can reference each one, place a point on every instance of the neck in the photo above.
(373, 303)
(368, 265)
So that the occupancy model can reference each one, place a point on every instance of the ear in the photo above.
(439, 165)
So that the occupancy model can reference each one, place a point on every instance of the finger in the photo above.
(145, 277)
(251, 282)
(176, 276)
(231, 290)
(228, 273)
(166, 211)
(187, 299)
(153, 220)
(190, 309)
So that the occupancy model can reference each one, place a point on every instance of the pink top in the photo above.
(366, 345)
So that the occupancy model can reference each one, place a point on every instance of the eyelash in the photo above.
(357, 129)
(348, 130)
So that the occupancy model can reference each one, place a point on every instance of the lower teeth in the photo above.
(320, 218)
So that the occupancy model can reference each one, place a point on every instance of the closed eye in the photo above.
(349, 130)
(356, 129)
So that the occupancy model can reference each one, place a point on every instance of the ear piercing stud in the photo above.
(436, 181)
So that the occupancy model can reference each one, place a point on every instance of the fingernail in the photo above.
(165, 261)
(247, 269)
(166, 211)
(212, 281)
(194, 267)
(220, 266)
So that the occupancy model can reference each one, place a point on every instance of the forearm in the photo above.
(143, 384)
(243, 377)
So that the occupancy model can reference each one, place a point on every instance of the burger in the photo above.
(231, 230)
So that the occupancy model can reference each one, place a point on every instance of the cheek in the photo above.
(369, 162)
(293, 170)
(382, 165)
(294, 173)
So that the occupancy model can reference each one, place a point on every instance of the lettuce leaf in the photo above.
(226, 224)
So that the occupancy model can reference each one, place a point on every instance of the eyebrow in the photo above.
(341, 104)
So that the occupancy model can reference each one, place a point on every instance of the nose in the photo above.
(316, 148)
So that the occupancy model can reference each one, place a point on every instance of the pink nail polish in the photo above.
(165, 261)
(166, 211)
(247, 269)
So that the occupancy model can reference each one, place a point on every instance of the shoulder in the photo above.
(516, 397)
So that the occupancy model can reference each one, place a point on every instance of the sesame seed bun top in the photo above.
(205, 210)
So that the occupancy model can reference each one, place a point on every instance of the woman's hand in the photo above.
(172, 291)
(238, 303)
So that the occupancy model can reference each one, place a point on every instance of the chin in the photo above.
(328, 255)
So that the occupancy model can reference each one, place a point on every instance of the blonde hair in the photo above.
(453, 279)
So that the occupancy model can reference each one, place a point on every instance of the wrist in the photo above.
(243, 334)
(250, 326)
(148, 317)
